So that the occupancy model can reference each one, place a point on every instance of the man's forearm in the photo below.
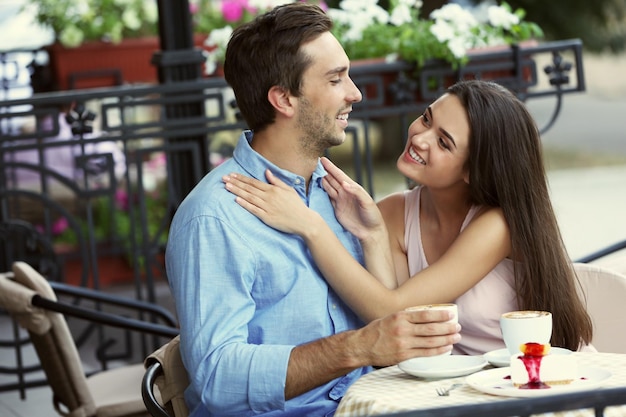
(315, 363)
(382, 342)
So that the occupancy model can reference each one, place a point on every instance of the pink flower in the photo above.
(59, 226)
(121, 199)
(157, 160)
(322, 5)
(232, 10)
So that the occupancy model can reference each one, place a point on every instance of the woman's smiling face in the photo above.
(438, 145)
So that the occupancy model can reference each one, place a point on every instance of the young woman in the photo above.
(479, 230)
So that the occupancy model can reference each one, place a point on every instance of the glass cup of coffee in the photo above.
(526, 326)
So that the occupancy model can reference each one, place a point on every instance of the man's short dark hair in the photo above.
(266, 52)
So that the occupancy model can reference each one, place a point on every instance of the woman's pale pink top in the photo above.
(480, 307)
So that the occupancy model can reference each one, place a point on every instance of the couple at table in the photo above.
(261, 330)
(478, 231)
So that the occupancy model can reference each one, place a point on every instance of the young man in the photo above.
(261, 331)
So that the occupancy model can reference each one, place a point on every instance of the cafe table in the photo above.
(390, 390)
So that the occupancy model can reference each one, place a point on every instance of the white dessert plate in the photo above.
(447, 366)
(502, 357)
(498, 382)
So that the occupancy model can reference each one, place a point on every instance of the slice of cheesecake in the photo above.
(535, 368)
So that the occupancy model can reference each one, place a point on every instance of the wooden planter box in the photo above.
(104, 64)
(112, 270)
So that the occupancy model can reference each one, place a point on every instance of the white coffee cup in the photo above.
(448, 307)
(526, 326)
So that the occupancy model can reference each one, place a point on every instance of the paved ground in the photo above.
(590, 202)
(590, 205)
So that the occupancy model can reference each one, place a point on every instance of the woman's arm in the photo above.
(356, 211)
(279, 206)
(477, 250)
(392, 209)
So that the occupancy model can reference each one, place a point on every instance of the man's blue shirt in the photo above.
(247, 294)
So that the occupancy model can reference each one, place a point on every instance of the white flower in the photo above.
(216, 43)
(210, 62)
(151, 12)
(356, 5)
(357, 15)
(82, 7)
(219, 37)
(355, 32)
(458, 47)
(267, 4)
(500, 17)
(453, 26)
(400, 15)
(442, 30)
(459, 17)
(149, 181)
(363, 11)
(130, 19)
(458, 42)
(339, 16)
(71, 36)
(377, 14)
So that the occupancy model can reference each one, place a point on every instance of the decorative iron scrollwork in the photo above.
(80, 119)
(558, 72)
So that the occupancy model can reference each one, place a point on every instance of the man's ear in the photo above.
(281, 100)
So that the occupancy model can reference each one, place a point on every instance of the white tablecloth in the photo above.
(390, 390)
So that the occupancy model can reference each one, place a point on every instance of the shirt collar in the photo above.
(255, 165)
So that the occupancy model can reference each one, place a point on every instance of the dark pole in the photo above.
(179, 61)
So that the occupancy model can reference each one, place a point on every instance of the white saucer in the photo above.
(502, 357)
(498, 382)
(447, 366)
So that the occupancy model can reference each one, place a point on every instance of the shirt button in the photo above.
(297, 181)
(334, 306)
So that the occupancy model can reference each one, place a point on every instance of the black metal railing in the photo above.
(91, 178)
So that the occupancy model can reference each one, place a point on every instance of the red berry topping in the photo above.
(535, 349)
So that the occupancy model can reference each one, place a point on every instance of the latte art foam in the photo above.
(525, 314)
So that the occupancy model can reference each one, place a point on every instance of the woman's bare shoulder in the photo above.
(489, 214)
(393, 204)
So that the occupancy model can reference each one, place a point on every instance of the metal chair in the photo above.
(31, 301)
(165, 371)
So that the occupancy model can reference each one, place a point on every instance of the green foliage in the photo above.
(368, 30)
(76, 21)
(119, 223)
(600, 24)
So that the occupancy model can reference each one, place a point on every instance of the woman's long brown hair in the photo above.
(506, 170)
